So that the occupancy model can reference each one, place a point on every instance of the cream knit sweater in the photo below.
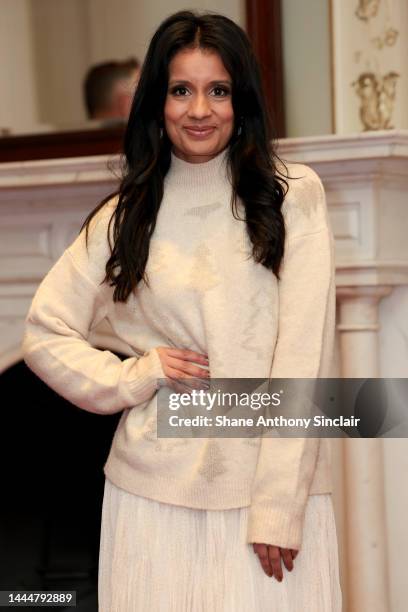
(206, 294)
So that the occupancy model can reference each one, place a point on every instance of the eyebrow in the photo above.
(183, 82)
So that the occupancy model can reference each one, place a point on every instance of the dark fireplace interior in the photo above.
(52, 455)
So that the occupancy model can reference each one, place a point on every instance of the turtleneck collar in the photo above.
(210, 177)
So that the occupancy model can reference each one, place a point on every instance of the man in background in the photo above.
(109, 89)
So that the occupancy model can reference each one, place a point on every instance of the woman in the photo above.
(207, 260)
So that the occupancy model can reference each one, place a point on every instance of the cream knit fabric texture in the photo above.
(206, 294)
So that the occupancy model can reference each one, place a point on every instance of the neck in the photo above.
(206, 179)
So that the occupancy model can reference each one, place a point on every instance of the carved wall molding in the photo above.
(368, 65)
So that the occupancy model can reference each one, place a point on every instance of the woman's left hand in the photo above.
(270, 558)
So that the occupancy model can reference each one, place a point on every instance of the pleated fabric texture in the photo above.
(168, 558)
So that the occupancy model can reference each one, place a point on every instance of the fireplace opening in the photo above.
(52, 455)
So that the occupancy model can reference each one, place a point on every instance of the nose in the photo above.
(199, 106)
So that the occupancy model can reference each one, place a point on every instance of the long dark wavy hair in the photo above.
(147, 150)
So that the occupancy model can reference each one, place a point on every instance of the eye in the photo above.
(179, 90)
(221, 92)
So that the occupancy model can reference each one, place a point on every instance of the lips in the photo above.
(201, 128)
(199, 131)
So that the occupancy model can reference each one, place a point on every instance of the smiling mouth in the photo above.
(199, 128)
(199, 131)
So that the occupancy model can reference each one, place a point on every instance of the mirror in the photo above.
(43, 69)
(48, 46)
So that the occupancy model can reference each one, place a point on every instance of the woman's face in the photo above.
(198, 113)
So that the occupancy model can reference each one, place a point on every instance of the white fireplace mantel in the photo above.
(366, 182)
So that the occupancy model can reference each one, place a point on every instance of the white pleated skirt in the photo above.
(167, 558)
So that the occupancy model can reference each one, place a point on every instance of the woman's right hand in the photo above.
(270, 558)
(180, 364)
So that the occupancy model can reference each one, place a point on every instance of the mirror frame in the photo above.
(51, 145)
(264, 28)
(263, 19)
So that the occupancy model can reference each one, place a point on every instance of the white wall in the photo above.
(306, 55)
(61, 57)
(18, 100)
(119, 28)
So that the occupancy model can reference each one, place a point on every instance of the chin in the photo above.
(204, 148)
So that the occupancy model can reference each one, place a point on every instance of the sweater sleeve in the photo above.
(304, 349)
(65, 307)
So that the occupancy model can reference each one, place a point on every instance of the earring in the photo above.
(241, 123)
(161, 126)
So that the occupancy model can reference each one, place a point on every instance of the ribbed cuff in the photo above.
(276, 526)
(149, 371)
(154, 363)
